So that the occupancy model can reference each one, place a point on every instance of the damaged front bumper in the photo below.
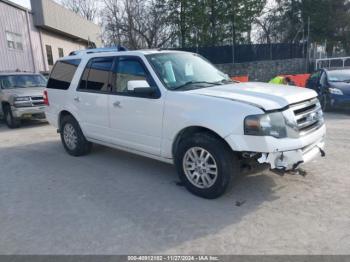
(292, 159)
(283, 154)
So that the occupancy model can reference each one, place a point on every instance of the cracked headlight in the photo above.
(271, 124)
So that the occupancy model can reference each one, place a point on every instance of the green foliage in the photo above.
(214, 22)
(330, 22)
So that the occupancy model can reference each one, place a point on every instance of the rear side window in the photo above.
(96, 75)
(62, 74)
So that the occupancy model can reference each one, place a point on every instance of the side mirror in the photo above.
(139, 87)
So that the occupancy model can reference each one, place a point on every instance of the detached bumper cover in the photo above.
(284, 154)
(291, 160)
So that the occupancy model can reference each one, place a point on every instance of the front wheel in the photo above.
(10, 120)
(205, 165)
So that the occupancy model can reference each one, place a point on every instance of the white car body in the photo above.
(150, 127)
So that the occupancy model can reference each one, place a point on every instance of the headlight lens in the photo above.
(22, 99)
(272, 124)
(335, 91)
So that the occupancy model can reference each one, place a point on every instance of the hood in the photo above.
(262, 95)
(29, 91)
(343, 86)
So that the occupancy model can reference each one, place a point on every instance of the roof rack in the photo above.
(99, 50)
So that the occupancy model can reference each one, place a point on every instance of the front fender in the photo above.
(183, 110)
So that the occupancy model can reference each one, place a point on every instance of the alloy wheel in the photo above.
(200, 167)
(70, 136)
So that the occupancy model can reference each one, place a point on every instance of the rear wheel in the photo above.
(73, 138)
(205, 165)
(10, 120)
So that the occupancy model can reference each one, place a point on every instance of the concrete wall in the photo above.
(15, 20)
(56, 41)
(52, 16)
(265, 70)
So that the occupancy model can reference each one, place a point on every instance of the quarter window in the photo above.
(96, 75)
(14, 41)
(128, 69)
(63, 73)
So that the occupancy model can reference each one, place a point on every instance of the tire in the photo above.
(220, 154)
(325, 103)
(10, 120)
(73, 139)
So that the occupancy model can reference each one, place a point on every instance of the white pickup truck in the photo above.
(178, 108)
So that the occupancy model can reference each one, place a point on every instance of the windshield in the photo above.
(22, 81)
(339, 76)
(186, 71)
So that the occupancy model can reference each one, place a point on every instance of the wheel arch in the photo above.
(191, 130)
(3, 104)
(62, 114)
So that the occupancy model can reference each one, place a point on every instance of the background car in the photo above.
(21, 96)
(332, 87)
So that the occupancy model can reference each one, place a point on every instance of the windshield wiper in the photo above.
(225, 81)
(195, 83)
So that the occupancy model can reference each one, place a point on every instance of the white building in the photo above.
(32, 40)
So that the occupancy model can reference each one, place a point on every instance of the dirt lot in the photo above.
(112, 202)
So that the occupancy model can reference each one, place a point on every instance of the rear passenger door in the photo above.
(92, 98)
(135, 119)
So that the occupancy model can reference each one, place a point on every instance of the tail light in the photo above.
(46, 98)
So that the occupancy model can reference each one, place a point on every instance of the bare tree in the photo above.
(271, 25)
(137, 23)
(89, 9)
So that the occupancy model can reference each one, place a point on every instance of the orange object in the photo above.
(299, 80)
(240, 78)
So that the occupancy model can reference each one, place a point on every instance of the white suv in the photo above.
(178, 108)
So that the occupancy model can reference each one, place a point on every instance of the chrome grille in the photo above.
(308, 116)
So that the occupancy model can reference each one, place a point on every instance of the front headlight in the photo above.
(335, 91)
(272, 124)
(22, 99)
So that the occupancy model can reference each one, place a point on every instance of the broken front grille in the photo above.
(308, 116)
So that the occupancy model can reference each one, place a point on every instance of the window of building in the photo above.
(96, 75)
(60, 52)
(49, 55)
(62, 74)
(14, 41)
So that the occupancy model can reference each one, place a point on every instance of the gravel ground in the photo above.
(112, 202)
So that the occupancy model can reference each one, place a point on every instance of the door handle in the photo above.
(117, 104)
(77, 99)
